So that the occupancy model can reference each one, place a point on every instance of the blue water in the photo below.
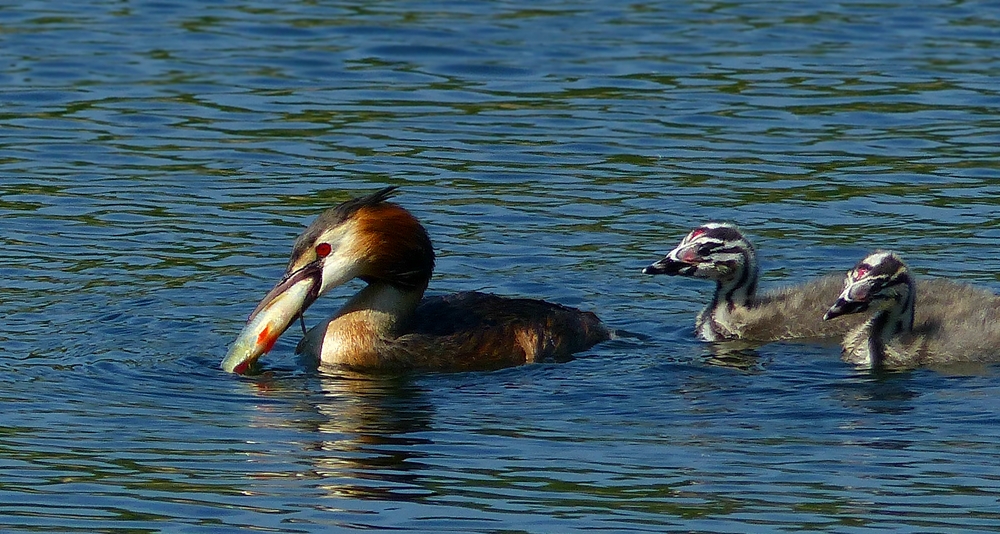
(158, 159)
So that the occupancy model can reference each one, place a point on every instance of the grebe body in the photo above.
(389, 325)
(719, 252)
(951, 323)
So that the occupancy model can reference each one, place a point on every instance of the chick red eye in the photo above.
(860, 272)
(323, 250)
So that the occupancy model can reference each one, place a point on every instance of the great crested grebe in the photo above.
(721, 253)
(388, 325)
(958, 323)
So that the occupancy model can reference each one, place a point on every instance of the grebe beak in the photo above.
(275, 313)
(856, 297)
(844, 307)
(668, 266)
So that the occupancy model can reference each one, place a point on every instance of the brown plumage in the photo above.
(944, 323)
(387, 325)
(468, 331)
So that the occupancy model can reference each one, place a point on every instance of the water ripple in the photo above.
(158, 160)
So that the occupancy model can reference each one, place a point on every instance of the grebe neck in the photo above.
(737, 291)
(379, 312)
(889, 323)
(385, 307)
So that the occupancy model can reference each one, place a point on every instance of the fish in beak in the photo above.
(275, 313)
(345, 242)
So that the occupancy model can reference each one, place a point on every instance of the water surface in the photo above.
(158, 159)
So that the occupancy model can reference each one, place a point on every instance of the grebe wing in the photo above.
(472, 330)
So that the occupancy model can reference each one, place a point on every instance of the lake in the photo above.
(158, 159)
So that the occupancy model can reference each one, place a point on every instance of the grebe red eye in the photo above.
(860, 271)
(323, 250)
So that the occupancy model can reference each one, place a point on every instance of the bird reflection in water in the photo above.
(366, 433)
(369, 432)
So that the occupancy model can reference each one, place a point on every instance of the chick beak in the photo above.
(673, 264)
(844, 307)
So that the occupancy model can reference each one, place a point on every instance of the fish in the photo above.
(275, 313)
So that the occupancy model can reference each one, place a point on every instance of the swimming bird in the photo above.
(388, 325)
(954, 322)
(720, 252)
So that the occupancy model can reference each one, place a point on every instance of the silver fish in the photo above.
(275, 313)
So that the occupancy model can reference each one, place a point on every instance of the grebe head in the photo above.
(879, 282)
(714, 251)
(367, 238)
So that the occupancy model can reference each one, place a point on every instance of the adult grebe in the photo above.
(954, 323)
(387, 325)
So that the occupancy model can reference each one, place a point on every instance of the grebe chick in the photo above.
(388, 325)
(721, 253)
(954, 323)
